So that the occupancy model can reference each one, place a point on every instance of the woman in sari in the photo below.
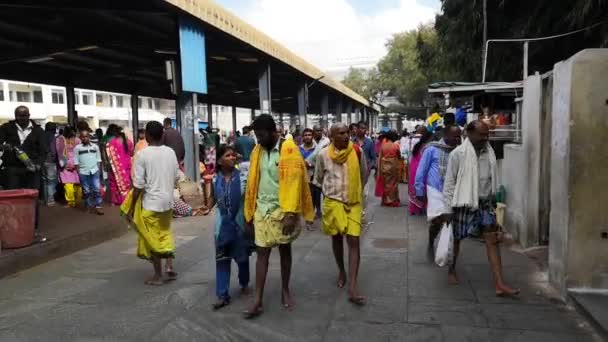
(68, 175)
(232, 242)
(417, 207)
(119, 150)
(388, 170)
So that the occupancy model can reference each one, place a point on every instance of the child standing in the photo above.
(87, 160)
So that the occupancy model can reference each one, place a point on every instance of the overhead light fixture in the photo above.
(87, 48)
(248, 60)
(219, 58)
(40, 59)
(239, 91)
(165, 52)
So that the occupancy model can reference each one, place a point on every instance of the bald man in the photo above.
(340, 172)
(470, 208)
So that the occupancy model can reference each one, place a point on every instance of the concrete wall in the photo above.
(513, 166)
(522, 169)
(578, 255)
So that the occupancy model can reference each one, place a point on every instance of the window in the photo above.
(57, 96)
(76, 97)
(156, 104)
(87, 99)
(140, 103)
(1, 94)
(38, 96)
(119, 101)
(150, 104)
(23, 96)
(99, 100)
(112, 101)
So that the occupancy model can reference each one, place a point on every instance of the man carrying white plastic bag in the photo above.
(470, 184)
(430, 178)
(444, 246)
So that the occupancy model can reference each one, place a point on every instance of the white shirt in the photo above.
(156, 172)
(24, 133)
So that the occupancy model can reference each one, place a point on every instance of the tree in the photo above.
(367, 83)
(414, 60)
(460, 32)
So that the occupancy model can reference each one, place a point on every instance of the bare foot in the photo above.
(504, 290)
(355, 297)
(155, 281)
(245, 291)
(253, 312)
(287, 300)
(453, 278)
(341, 280)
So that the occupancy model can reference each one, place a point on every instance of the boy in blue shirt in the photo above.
(87, 159)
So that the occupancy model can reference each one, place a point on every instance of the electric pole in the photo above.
(485, 31)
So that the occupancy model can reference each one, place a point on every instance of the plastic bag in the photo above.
(444, 245)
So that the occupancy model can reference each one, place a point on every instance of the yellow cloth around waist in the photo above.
(341, 219)
(294, 192)
(269, 230)
(153, 230)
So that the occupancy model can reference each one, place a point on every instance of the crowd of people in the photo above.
(266, 185)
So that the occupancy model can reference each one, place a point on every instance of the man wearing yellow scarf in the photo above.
(340, 171)
(276, 199)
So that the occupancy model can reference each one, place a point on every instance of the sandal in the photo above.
(220, 304)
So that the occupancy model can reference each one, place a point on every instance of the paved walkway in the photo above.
(98, 295)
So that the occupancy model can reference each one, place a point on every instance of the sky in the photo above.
(334, 34)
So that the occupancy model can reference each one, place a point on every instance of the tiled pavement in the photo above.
(98, 295)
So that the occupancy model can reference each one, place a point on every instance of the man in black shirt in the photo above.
(25, 135)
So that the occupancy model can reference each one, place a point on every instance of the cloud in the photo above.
(330, 33)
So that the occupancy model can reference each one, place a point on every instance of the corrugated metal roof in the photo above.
(215, 15)
(448, 87)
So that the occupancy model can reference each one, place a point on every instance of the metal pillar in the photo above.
(234, 129)
(303, 105)
(526, 49)
(324, 110)
(339, 109)
(252, 114)
(210, 115)
(71, 103)
(349, 113)
(135, 116)
(186, 104)
(265, 89)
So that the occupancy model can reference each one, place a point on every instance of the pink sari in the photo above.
(120, 161)
(416, 207)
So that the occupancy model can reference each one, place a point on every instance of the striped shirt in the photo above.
(332, 177)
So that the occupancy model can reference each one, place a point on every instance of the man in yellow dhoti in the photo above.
(149, 205)
(276, 199)
(340, 172)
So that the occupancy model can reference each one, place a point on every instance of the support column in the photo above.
(324, 110)
(339, 109)
(71, 103)
(210, 115)
(252, 114)
(234, 128)
(303, 105)
(135, 116)
(185, 110)
(349, 114)
(265, 90)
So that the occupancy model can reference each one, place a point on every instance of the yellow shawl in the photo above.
(294, 192)
(349, 156)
